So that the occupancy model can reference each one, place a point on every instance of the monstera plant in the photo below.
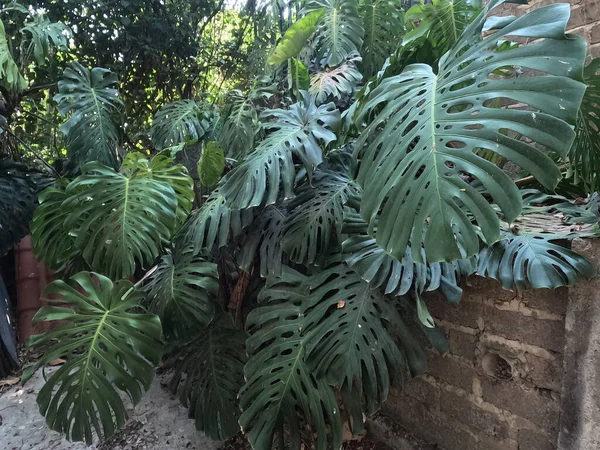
(291, 297)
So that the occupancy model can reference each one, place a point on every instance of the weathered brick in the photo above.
(595, 34)
(487, 443)
(544, 373)
(534, 440)
(551, 300)
(420, 390)
(513, 325)
(478, 289)
(467, 412)
(528, 403)
(465, 314)
(463, 344)
(451, 371)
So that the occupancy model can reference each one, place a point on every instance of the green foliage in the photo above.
(240, 127)
(91, 101)
(299, 79)
(43, 33)
(424, 127)
(106, 344)
(335, 83)
(180, 121)
(211, 164)
(295, 37)
(10, 77)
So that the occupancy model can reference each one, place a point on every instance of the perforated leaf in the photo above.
(108, 347)
(269, 172)
(295, 38)
(336, 82)
(41, 33)
(180, 121)
(340, 32)
(119, 220)
(213, 365)
(418, 148)
(240, 127)
(89, 99)
(181, 291)
(211, 164)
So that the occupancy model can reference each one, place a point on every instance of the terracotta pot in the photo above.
(32, 277)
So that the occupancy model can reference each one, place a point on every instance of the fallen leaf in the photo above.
(10, 381)
(56, 362)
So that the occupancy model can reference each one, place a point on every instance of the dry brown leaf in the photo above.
(10, 381)
(56, 362)
(341, 304)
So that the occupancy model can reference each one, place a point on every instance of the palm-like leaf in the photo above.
(298, 77)
(279, 381)
(180, 121)
(336, 82)
(584, 156)
(269, 171)
(340, 32)
(119, 219)
(240, 127)
(213, 364)
(42, 33)
(211, 164)
(181, 291)
(90, 99)
(383, 23)
(295, 38)
(10, 77)
(106, 345)
(420, 144)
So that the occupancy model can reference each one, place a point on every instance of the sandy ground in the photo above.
(159, 422)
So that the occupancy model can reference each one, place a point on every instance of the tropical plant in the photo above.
(293, 298)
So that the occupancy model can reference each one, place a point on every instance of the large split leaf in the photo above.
(269, 171)
(180, 121)
(213, 365)
(336, 82)
(43, 33)
(295, 38)
(418, 148)
(119, 219)
(383, 22)
(584, 155)
(90, 100)
(181, 291)
(10, 77)
(280, 384)
(340, 32)
(106, 344)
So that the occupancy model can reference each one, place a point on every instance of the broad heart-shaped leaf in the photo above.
(350, 334)
(42, 33)
(269, 171)
(336, 82)
(264, 236)
(399, 277)
(298, 77)
(90, 98)
(530, 256)
(162, 168)
(213, 364)
(295, 38)
(419, 145)
(10, 77)
(211, 164)
(314, 226)
(106, 345)
(119, 220)
(584, 155)
(210, 225)
(181, 291)
(180, 121)
(279, 382)
(340, 32)
(383, 22)
(18, 201)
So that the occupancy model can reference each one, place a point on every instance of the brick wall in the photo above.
(499, 388)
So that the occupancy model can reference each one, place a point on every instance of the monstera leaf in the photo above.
(383, 22)
(531, 254)
(240, 127)
(213, 365)
(180, 121)
(340, 32)
(269, 171)
(417, 153)
(181, 291)
(18, 201)
(90, 100)
(317, 214)
(295, 38)
(336, 82)
(106, 344)
(119, 219)
(42, 33)
(280, 383)
(211, 164)
(10, 77)
(584, 155)
(210, 225)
